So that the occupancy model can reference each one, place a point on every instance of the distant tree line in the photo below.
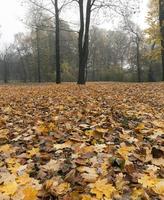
(52, 50)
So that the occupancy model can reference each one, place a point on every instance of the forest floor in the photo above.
(101, 141)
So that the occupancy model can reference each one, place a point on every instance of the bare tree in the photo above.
(161, 19)
(85, 10)
(83, 40)
(20, 48)
(55, 13)
(135, 33)
(4, 57)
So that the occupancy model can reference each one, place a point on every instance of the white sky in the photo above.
(11, 11)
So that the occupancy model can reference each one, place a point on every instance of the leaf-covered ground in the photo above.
(97, 142)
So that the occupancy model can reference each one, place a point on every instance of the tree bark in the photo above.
(23, 66)
(58, 70)
(38, 55)
(162, 52)
(161, 19)
(83, 40)
(138, 60)
(81, 75)
(5, 71)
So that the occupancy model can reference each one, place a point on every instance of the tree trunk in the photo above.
(150, 74)
(161, 18)
(5, 71)
(83, 41)
(162, 56)
(58, 70)
(38, 56)
(81, 75)
(138, 61)
(23, 66)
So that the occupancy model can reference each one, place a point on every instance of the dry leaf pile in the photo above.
(95, 142)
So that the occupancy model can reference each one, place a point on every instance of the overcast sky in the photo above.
(11, 12)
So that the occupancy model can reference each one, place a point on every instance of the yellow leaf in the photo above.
(51, 126)
(24, 179)
(41, 128)
(102, 188)
(90, 133)
(104, 168)
(140, 127)
(33, 151)
(48, 184)
(9, 188)
(63, 188)
(30, 193)
(86, 197)
(75, 195)
(5, 148)
(148, 181)
(120, 183)
(159, 123)
(137, 194)
(124, 151)
(11, 161)
(159, 187)
(101, 130)
(13, 165)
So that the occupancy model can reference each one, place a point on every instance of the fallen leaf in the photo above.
(102, 188)
(30, 193)
(9, 188)
(148, 181)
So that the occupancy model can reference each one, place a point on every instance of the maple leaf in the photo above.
(63, 188)
(124, 151)
(41, 128)
(6, 148)
(52, 165)
(101, 188)
(99, 148)
(6, 177)
(4, 197)
(89, 174)
(23, 180)
(159, 123)
(22, 169)
(63, 146)
(158, 162)
(79, 145)
(90, 133)
(13, 167)
(48, 184)
(18, 195)
(156, 133)
(152, 169)
(7, 110)
(120, 183)
(30, 193)
(33, 152)
(9, 188)
(104, 168)
(86, 197)
(137, 194)
(140, 127)
(159, 187)
(101, 130)
(148, 181)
